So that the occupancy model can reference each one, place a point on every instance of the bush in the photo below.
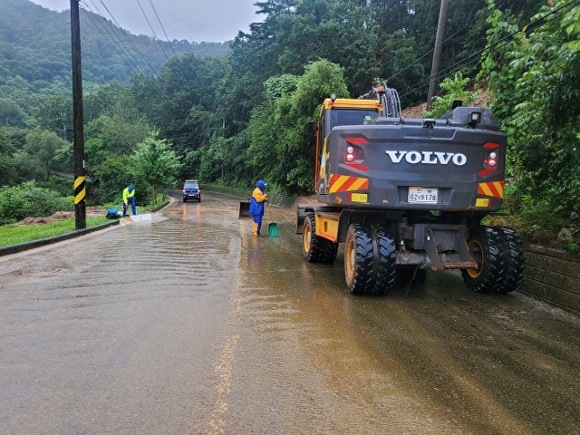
(18, 202)
(455, 89)
(13, 205)
(60, 185)
(537, 220)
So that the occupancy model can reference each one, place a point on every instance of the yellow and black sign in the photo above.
(79, 189)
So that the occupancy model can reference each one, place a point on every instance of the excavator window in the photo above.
(350, 117)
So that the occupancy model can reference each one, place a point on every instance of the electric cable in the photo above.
(152, 30)
(470, 58)
(105, 32)
(162, 27)
(124, 33)
(468, 23)
(431, 51)
(129, 62)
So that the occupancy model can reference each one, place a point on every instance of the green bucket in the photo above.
(273, 230)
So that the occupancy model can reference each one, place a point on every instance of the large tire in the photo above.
(385, 261)
(485, 247)
(359, 260)
(316, 249)
(513, 253)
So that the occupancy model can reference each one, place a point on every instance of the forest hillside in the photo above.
(35, 45)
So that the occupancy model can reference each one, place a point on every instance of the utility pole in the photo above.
(78, 135)
(437, 52)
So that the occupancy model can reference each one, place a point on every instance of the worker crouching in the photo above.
(129, 198)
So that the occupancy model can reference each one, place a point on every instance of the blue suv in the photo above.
(191, 190)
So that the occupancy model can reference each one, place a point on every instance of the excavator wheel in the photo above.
(316, 249)
(485, 248)
(359, 260)
(385, 261)
(513, 252)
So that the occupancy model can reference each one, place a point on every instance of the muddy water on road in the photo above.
(188, 324)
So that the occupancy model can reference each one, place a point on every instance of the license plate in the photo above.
(423, 195)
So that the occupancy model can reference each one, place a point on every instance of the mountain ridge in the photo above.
(35, 45)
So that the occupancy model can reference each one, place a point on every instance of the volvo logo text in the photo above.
(427, 157)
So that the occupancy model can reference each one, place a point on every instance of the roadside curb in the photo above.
(13, 249)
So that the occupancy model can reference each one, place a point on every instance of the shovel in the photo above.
(272, 226)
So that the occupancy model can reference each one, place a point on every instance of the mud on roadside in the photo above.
(62, 215)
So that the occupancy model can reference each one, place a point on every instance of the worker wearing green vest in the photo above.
(129, 198)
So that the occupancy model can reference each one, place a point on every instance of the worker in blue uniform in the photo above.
(259, 197)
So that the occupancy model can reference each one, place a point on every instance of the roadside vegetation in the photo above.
(39, 223)
(231, 119)
(14, 234)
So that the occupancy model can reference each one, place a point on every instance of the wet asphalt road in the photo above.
(189, 325)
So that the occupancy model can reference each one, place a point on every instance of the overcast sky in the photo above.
(193, 20)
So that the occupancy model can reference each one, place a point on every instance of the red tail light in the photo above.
(491, 160)
(350, 157)
(353, 151)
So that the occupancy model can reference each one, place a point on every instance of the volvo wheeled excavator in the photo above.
(405, 193)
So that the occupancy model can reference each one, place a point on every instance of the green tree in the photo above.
(155, 164)
(54, 111)
(41, 148)
(10, 113)
(535, 79)
(277, 127)
(7, 163)
(187, 101)
(455, 89)
(111, 175)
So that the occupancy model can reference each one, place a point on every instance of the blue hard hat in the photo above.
(261, 184)
(131, 188)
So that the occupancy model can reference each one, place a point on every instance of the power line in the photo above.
(467, 24)
(135, 48)
(106, 34)
(153, 31)
(162, 28)
(116, 41)
(471, 58)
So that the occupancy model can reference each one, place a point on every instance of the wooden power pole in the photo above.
(437, 52)
(78, 135)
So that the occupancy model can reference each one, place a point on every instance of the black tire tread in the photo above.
(385, 262)
(491, 276)
(321, 250)
(363, 279)
(514, 258)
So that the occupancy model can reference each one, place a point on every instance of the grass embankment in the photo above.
(14, 234)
